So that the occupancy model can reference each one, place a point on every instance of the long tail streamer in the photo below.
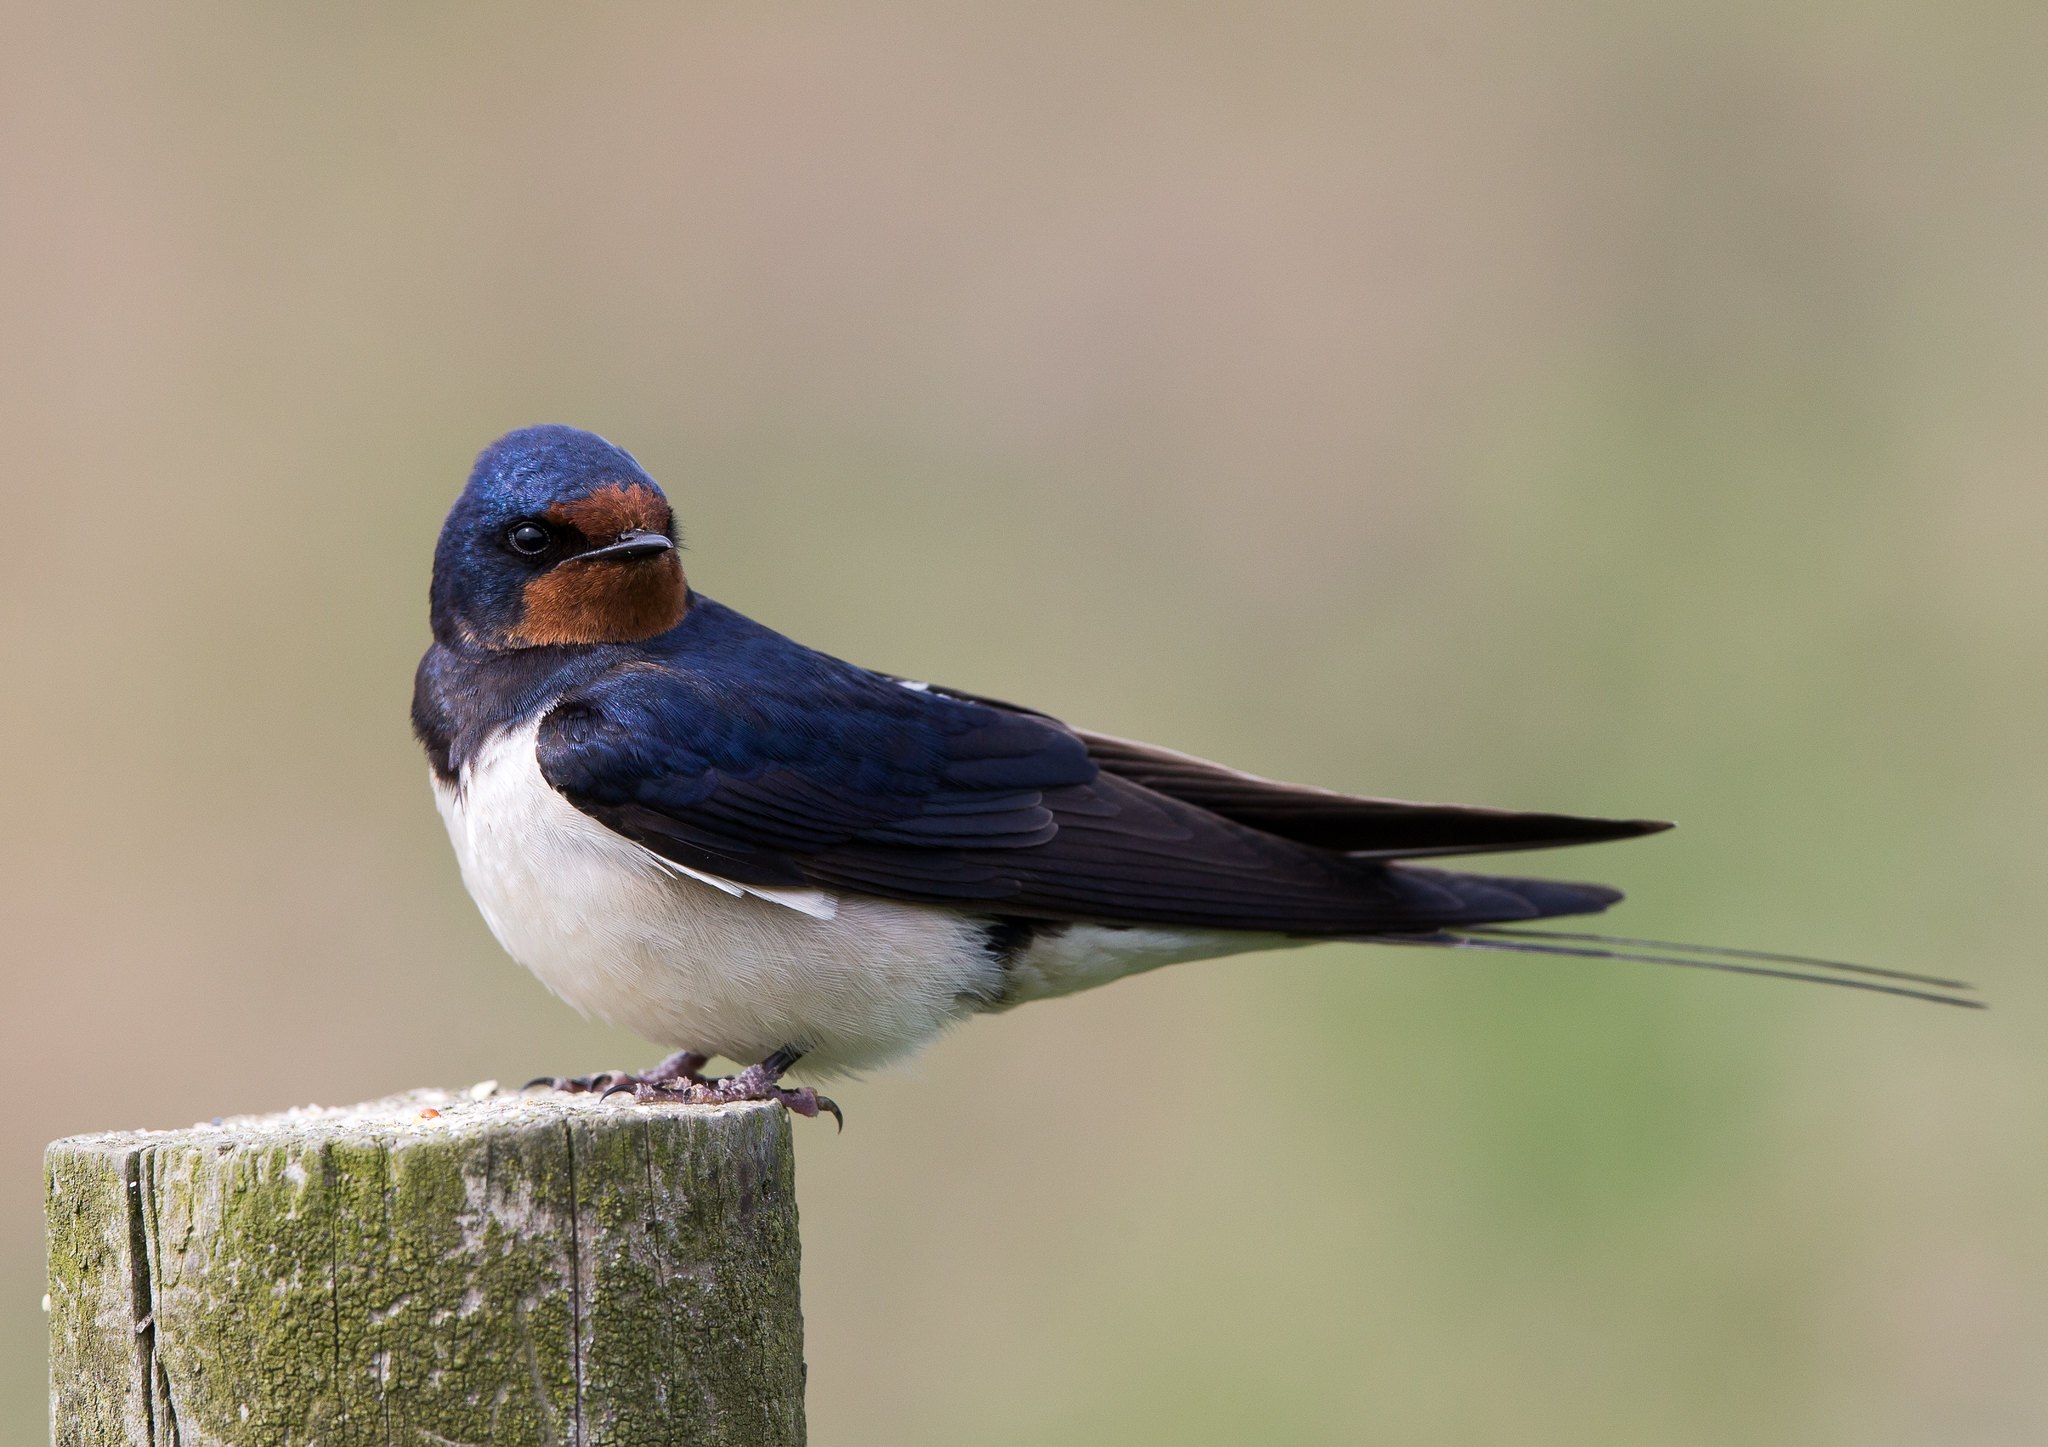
(1724, 952)
(1717, 957)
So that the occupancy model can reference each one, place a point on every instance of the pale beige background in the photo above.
(1620, 408)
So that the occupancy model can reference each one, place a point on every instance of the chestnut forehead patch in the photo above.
(615, 508)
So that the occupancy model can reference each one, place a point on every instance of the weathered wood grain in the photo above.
(432, 1269)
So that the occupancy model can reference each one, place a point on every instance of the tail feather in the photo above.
(1444, 898)
(1525, 942)
(1727, 953)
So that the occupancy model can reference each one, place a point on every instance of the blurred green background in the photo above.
(1628, 409)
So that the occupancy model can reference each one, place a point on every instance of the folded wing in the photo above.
(812, 772)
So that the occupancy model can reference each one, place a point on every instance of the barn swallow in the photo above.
(689, 825)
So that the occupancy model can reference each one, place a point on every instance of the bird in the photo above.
(686, 824)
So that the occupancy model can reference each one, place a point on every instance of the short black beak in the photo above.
(630, 548)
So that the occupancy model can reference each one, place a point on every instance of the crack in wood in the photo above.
(148, 1268)
(142, 1291)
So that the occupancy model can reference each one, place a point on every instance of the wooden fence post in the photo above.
(474, 1270)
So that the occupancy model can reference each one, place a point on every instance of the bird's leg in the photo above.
(684, 1065)
(756, 1082)
(680, 1069)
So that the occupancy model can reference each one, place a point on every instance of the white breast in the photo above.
(692, 961)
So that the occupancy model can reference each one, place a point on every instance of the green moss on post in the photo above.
(439, 1269)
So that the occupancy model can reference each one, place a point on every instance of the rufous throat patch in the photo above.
(604, 601)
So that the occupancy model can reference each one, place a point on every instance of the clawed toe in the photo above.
(679, 1091)
(676, 1073)
(577, 1084)
(807, 1103)
(753, 1083)
(676, 1081)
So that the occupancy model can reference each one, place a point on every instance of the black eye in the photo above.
(528, 538)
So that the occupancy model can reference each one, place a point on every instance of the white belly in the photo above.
(619, 933)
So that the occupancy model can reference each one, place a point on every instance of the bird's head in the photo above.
(559, 537)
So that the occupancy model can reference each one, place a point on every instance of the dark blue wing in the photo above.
(747, 754)
(739, 753)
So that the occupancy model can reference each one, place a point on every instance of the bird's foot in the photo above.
(756, 1082)
(682, 1069)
